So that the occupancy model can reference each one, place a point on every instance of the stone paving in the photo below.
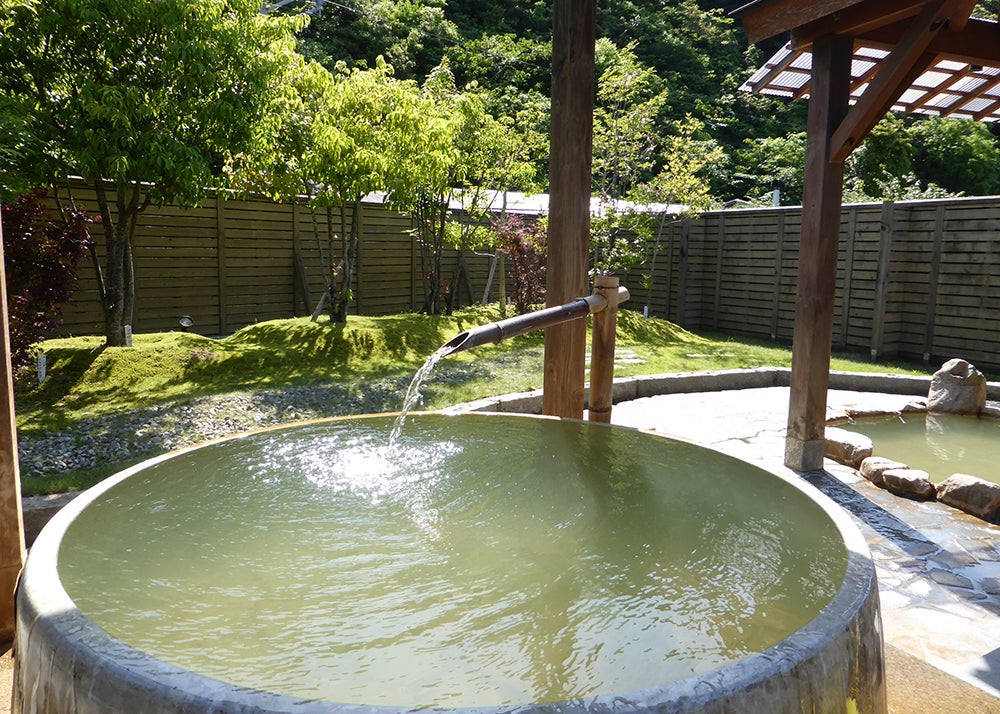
(938, 568)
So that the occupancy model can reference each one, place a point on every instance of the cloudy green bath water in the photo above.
(483, 561)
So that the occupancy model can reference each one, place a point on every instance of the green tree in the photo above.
(885, 156)
(148, 97)
(765, 164)
(339, 137)
(629, 98)
(469, 170)
(960, 156)
(412, 36)
(367, 120)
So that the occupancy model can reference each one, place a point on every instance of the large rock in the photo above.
(873, 467)
(957, 388)
(847, 447)
(909, 482)
(971, 494)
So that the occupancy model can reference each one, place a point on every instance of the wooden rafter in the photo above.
(907, 61)
(977, 43)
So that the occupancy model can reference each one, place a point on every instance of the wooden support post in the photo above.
(573, 38)
(805, 443)
(667, 303)
(11, 521)
(602, 351)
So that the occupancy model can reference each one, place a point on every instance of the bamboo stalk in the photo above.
(602, 350)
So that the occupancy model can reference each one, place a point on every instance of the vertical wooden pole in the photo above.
(667, 302)
(571, 149)
(720, 254)
(683, 277)
(602, 351)
(932, 283)
(779, 256)
(878, 343)
(852, 229)
(11, 522)
(220, 255)
(805, 443)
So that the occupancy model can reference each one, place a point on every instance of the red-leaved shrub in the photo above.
(40, 257)
(523, 244)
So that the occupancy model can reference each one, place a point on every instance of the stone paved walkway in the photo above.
(938, 569)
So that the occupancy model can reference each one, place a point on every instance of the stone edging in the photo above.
(629, 388)
(38, 509)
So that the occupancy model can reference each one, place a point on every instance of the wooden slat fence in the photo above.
(231, 262)
(915, 280)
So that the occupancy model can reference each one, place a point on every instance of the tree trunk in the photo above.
(332, 284)
(350, 235)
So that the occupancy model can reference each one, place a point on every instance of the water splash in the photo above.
(413, 394)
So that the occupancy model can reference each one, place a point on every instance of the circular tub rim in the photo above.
(44, 609)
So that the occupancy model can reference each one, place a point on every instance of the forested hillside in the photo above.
(689, 57)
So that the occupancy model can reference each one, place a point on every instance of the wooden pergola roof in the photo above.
(949, 88)
(856, 60)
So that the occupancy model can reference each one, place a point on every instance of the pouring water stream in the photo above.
(413, 393)
(496, 332)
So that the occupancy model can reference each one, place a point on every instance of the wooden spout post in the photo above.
(11, 522)
(602, 350)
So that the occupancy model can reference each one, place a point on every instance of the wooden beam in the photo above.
(856, 20)
(11, 521)
(805, 443)
(571, 149)
(767, 19)
(898, 71)
(978, 43)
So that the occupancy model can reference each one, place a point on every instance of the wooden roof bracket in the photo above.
(905, 63)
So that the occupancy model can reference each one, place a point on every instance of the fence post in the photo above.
(685, 248)
(670, 269)
(932, 283)
(358, 262)
(882, 279)
(779, 256)
(220, 256)
(852, 224)
(719, 260)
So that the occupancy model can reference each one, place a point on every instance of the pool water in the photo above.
(940, 444)
(491, 561)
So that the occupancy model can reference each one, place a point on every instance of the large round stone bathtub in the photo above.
(480, 563)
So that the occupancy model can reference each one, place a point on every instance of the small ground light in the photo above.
(185, 322)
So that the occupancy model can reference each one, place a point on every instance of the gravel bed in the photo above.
(143, 433)
(161, 428)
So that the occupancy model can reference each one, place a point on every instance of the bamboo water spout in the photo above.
(523, 324)
(603, 304)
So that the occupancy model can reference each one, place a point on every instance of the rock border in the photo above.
(970, 494)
